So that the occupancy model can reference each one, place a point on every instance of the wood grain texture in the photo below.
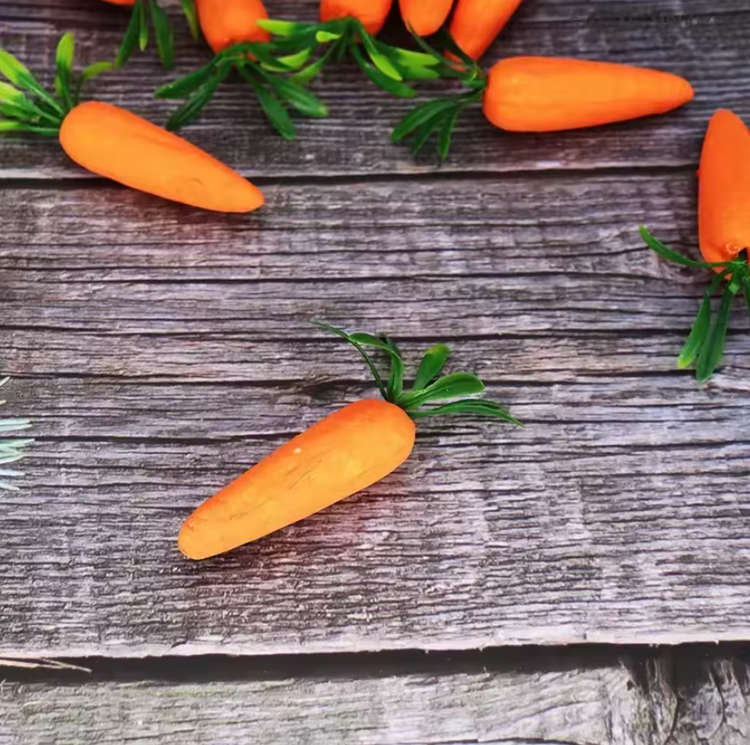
(158, 364)
(678, 35)
(605, 704)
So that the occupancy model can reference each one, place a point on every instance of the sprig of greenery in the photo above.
(270, 77)
(11, 448)
(437, 119)
(705, 343)
(25, 105)
(148, 15)
(450, 390)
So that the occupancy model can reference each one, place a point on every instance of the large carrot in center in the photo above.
(372, 13)
(348, 451)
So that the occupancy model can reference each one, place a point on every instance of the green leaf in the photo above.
(280, 28)
(194, 105)
(14, 71)
(325, 37)
(446, 133)
(381, 79)
(13, 126)
(713, 349)
(290, 61)
(378, 59)
(95, 69)
(700, 329)
(421, 115)
(431, 365)
(445, 388)
(343, 335)
(395, 382)
(274, 110)
(667, 253)
(185, 86)
(64, 63)
(298, 97)
(188, 8)
(476, 407)
(140, 10)
(130, 40)
(163, 34)
(408, 59)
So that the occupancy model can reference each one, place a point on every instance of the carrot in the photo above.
(371, 13)
(112, 142)
(547, 94)
(149, 14)
(339, 456)
(724, 238)
(544, 94)
(476, 23)
(425, 17)
(227, 22)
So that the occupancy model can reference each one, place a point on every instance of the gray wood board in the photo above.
(603, 705)
(158, 364)
(678, 35)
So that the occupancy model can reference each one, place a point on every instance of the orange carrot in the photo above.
(114, 143)
(476, 23)
(425, 17)
(118, 145)
(724, 237)
(346, 452)
(227, 22)
(372, 13)
(724, 189)
(547, 94)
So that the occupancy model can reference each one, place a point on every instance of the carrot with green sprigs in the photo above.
(11, 448)
(350, 450)
(232, 28)
(477, 23)
(544, 94)
(112, 142)
(425, 17)
(147, 14)
(724, 237)
(371, 13)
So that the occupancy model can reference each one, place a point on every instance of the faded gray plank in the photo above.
(158, 366)
(671, 699)
(595, 707)
(679, 35)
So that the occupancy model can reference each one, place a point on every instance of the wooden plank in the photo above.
(682, 700)
(678, 35)
(157, 367)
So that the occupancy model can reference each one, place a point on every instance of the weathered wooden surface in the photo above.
(161, 351)
(678, 35)
(671, 699)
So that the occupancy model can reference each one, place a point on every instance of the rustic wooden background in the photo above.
(160, 351)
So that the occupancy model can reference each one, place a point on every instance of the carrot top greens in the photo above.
(426, 389)
(705, 344)
(26, 106)
(147, 13)
(11, 449)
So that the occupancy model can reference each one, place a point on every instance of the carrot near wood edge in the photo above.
(348, 451)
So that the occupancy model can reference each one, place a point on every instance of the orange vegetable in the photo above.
(724, 189)
(114, 143)
(425, 17)
(476, 23)
(547, 94)
(227, 22)
(121, 146)
(724, 238)
(372, 13)
(346, 452)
